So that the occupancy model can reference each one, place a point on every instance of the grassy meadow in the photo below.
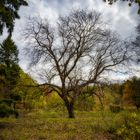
(94, 125)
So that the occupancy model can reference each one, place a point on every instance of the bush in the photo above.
(115, 108)
(130, 130)
(8, 102)
(6, 111)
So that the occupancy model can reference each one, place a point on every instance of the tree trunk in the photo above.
(70, 109)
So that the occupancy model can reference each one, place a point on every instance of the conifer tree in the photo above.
(9, 69)
(9, 12)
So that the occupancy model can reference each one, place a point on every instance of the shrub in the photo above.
(8, 102)
(130, 130)
(6, 111)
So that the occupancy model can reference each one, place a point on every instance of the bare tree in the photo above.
(77, 51)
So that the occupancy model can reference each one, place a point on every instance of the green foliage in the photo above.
(8, 102)
(28, 93)
(9, 12)
(130, 130)
(6, 110)
(54, 102)
(16, 84)
(8, 52)
(84, 103)
(9, 69)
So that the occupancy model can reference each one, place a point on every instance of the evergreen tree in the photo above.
(9, 69)
(9, 12)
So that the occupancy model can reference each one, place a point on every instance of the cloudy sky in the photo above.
(119, 16)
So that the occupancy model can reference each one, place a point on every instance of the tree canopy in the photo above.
(84, 42)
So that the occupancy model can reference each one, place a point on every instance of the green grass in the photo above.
(44, 125)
